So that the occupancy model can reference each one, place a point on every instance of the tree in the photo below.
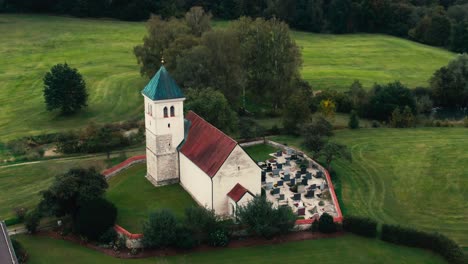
(32, 220)
(198, 21)
(459, 37)
(327, 108)
(385, 98)
(296, 112)
(160, 230)
(316, 135)
(357, 94)
(64, 89)
(339, 14)
(262, 219)
(326, 224)
(95, 217)
(408, 117)
(396, 119)
(249, 128)
(449, 83)
(433, 29)
(213, 107)
(72, 190)
(333, 150)
(353, 120)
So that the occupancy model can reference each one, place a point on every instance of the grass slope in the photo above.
(20, 184)
(135, 197)
(335, 61)
(102, 51)
(350, 248)
(414, 177)
(260, 152)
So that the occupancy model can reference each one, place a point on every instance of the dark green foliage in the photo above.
(249, 128)
(386, 98)
(184, 238)
(13, 221)
(20, 252)
(433, 29)
(362, 226)
(109, 236)
(72, 190)
(261, 219)
(316, 134)
(213, 107)
(206, 227)
(435, 242)
(31, 221)
(64, 89)
(326, 224)
(295, 113)
(402, 119)
(94, 218)
(333, 150)
(459, 38)
(353, 120)
(160, 230)
(449, 83)
(219, 238)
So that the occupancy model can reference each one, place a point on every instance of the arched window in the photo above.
(172, 111)
(165, 112)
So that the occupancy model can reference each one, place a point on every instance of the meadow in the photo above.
(351, 248)
(416, 177)
(102, 50)
(21, 184)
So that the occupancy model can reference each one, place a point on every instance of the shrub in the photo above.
(31, 221)
(201, 222)
(438, 243)
(95, 218)
(109, 236)
(262, 219)
(184, 238)
(12, 221)
(353, 120)
(326, 224)
(20, 252)
(20, 213)
(219, 238)
(360, 225)
(160, 230)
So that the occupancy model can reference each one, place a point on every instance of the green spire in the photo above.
(162, 87)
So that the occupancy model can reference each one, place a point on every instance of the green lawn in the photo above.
(102, 51)
(335, 61)
(260, 152)
(347, 249)
(135, 197)
(415, 177)
(20, 184)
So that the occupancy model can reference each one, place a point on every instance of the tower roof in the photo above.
(162, 87)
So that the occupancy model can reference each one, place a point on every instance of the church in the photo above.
(208, 164)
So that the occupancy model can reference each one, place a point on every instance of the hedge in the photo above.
(435, 242)
(12, 221)
(362, 226)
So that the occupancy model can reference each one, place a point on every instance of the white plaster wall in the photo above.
(195, 181)
(245, 200)
(238, 168)
(176, 122)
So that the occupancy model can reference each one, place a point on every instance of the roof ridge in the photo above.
(190, 111)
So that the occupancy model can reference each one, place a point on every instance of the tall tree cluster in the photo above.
(250, 58)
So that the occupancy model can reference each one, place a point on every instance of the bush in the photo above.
(95, 218)
(353, 120)
(12, 221)
(184, 238)
(201, 222)
(262, 219)
(160, 230)
(326, 224)
(109, 236)
(31, 221)
(219, 238)
(360, 226)
(435, 242)
(20, 252)
(20, 213)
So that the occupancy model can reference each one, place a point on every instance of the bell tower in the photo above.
(164, 123)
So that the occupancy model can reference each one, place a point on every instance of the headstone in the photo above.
(309, 175)
(298, 174)
(279, 183)
(276, 172)
(304, 181)
(296, 197)
(281, 197)
(293, 182)
(286, 177)
(279, 166)
(322, 186)
(279, 153)
(269, 185)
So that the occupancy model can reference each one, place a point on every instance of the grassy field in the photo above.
(20, 184)
(135, 197)
(414, 177)
(260, 152)
(350, 249)
(102, 51)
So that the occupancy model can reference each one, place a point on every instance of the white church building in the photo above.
(207, 163)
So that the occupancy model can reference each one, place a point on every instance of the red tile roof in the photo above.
(237, 192)
(205, 145)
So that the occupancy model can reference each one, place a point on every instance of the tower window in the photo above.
(169, 125)
(172, 111)
(165, 112)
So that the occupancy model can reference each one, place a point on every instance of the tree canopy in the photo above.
(64, 89)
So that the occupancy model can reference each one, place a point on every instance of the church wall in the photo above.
(195, 181)
(238, 168)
